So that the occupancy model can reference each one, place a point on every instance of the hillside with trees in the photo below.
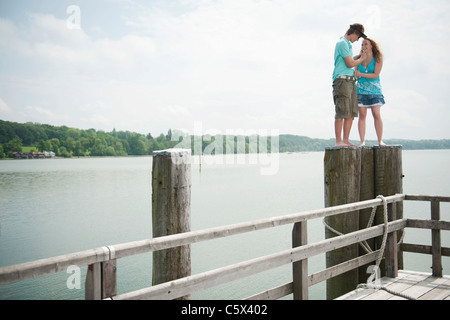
(68, 142)
(72, 142)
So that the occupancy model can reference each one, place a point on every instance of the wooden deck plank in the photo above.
(399, 285)
(440, 292)
(361, 293)
(407, 286)
(422, 286)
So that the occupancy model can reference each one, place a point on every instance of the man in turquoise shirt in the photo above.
(344, 84)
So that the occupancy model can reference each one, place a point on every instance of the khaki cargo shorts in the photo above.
(345, 98)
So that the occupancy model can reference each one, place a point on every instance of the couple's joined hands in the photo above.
(363, 55)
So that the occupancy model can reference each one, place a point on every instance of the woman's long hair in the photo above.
(377, 54)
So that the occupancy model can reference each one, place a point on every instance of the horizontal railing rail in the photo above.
(60, 263)
(181, 287)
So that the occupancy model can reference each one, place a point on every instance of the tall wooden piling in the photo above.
(388, 180)
(367, 192)
(342, 172)
(357, 174)
(171, 211)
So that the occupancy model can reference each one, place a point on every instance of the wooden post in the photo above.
(391, 253)
(388, 181)
(436, 240)
(300, 268)
(171, 211)
(342, 171)
(367, 192)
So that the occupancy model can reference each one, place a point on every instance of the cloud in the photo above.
(50, 41)
(128, 50)
(44, 114)
(4, 108)
(406, 108)
(151, 66)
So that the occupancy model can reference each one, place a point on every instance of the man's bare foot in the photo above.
(349, 144)
(345, 144)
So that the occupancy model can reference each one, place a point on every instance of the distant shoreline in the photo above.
(72, 142)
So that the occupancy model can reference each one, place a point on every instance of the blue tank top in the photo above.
(368, 86)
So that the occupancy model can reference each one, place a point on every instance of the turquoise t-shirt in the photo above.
(343, 49)
(368, 86)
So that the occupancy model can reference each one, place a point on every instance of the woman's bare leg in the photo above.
(362, 125)
(378, 122)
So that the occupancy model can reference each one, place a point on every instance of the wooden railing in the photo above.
(102, 261)
(436, 225)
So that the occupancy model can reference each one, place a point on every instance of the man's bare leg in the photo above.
(338, 123)
(347, 127)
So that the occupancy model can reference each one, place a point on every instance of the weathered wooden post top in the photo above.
(171, 211)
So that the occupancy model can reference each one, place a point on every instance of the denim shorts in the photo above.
(370, 100)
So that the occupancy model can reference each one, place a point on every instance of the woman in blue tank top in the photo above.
(369, 89)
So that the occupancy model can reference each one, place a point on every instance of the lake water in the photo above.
(58, 206)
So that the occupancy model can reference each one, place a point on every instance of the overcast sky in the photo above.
(148, 66)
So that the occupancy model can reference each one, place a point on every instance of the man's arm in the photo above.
(353, 63)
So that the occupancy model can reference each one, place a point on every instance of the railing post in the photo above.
(300, 268)
(101, 280)
(436, 240)
(93, 285)
(391, 252)
(109, 279)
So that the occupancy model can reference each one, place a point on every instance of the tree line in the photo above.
(69, 142)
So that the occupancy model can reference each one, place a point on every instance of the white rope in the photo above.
(371, 280)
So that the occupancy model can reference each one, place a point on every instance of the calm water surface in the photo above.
(58, 206)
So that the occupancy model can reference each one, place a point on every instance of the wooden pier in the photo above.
(101, 276)
(297, 256)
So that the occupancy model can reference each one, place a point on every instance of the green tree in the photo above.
(54, 145)
(63, 152)
(118, 149)
(44, 146)
(136, 146)
(110, 152)
(99, 147)
(70, 144)
(14, 145)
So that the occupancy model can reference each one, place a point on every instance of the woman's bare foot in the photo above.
(382, 144)
(363, 144)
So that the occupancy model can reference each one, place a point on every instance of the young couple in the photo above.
(350, 96)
